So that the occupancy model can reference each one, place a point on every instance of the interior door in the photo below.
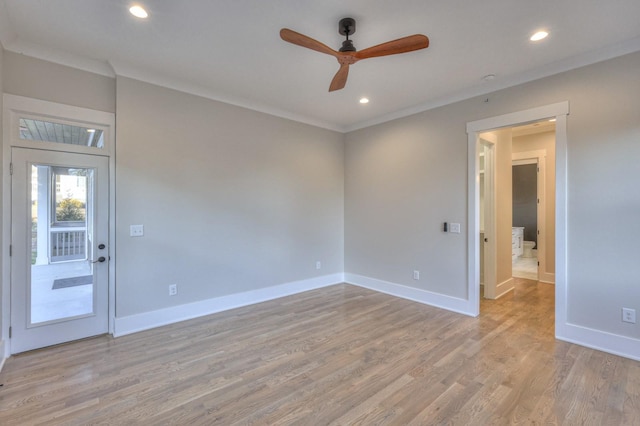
(59, 247)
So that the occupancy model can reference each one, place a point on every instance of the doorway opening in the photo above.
(507, 122)
(520, 202)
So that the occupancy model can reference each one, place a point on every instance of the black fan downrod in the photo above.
(346, 27)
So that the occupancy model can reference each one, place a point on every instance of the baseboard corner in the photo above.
(437, 300)
(165, 316)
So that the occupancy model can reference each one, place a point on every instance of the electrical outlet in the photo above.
(629, 315)
(173, 289)
(318, 265)
(416, 275)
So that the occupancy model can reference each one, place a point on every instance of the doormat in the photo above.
(72, 282)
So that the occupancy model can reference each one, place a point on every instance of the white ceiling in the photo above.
(230, 50)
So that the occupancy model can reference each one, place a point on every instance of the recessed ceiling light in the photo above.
(489, 77)
(138, 11)
(364, 100)
(539, 36)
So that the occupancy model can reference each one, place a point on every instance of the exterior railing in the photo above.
(68, 244)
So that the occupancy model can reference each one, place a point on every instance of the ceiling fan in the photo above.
(347, 55)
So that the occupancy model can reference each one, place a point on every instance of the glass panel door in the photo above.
(59, 277)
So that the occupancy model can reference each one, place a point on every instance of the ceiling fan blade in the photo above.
(305, 41)
(401, 45)
(340, 79)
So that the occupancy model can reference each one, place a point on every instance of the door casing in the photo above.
(13, 108)
(559, 111)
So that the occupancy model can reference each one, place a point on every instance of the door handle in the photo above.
(100, 259)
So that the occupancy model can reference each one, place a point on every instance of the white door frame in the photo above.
(559, 111)
(488, 145)
(19, 106)
(539, 157)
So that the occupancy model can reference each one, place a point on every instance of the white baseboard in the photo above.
(505, 287)
(147, 320)
(3, 355)
(462, 306)
(600, 340)
(547, 277)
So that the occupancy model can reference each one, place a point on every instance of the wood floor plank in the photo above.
(340, 355)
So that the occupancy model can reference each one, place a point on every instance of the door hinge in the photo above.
(538, 263)
(10, 250)
(11, 168)
(9, 332)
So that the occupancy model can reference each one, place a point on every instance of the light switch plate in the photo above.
(454, 228)
(136, 230)
(629, 315)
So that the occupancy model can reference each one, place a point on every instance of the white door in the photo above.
(59, 247)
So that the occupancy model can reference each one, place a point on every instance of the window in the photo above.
(70, 196)
(46, 131)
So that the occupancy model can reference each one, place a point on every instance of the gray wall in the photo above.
(401, 183)
(504, 217)
(406, 177)
(231, 200)
(525, 199)
(35, 78)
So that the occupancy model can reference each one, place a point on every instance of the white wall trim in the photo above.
(153, 77)
(547, 277)
(437, 300)
(600, 340)
(3, 355)
(598, 55)
(147, 320)
(504, 287)
(60, 57)
(110, 67)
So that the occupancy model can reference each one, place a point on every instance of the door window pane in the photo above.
(69, 196)
(45, 131)
(62, 284)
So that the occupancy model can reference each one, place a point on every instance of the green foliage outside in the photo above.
(70, 210)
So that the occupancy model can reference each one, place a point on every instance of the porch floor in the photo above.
(48, 304)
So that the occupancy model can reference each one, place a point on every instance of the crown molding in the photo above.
(60, 57)
(7, 33)
(115, 68)
(127, 70)
(592, 57)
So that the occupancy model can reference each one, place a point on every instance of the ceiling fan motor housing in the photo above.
(347, 26)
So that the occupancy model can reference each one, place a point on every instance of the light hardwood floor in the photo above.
(339, 355)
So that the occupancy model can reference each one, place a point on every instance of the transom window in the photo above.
(46, 131)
